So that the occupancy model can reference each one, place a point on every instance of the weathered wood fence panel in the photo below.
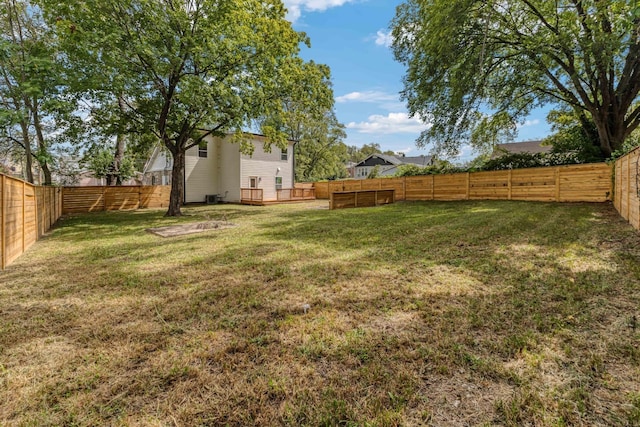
(572, 183)
(26, 213)
(627, 187)
(360, 198)
(97, 199)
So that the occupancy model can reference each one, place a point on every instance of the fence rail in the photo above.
(98, 199)
(572, 183)
(26, 213)
(627, 187)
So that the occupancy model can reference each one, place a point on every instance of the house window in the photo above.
(253, 182)
(202, 150)
(284, 154)
(278, 183)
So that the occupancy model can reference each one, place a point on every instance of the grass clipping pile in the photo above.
(194, 227)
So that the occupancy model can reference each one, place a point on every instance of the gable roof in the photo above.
(532, 147)
(387, 160)
(379, 159)
(417, 160)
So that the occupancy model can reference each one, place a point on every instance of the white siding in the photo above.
(266, 166)
(229, 170)
(161, 161)
(362, 172)
(225, 170)
(200, 173)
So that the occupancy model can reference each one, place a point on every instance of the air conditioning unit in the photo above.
(212, 199)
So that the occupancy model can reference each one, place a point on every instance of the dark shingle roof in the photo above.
(532, 147)
(417, 160)
(387, 160)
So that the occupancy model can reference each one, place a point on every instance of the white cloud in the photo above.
(384, 38)
(367, 96)
(296, 7)
(405, 150)
(528, 123)
(389, 124)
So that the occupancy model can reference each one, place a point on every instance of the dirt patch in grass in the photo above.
(184, 229)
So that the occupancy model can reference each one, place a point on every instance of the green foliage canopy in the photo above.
(467, 57)
(186, 69)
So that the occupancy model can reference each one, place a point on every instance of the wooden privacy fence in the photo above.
(627, 187)
(98, 199)
(360, 198)
(572, 183)
(26, 213)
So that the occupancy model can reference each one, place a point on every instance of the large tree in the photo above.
(307, 117)
(187, 69)
(33, 109)
(320, 153)
(478, 67)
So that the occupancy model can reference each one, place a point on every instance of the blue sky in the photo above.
(351, 36)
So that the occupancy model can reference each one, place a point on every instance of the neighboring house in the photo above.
(388, 165)
(220, 169)
(351, 169)
(70, 172)
(531, 147)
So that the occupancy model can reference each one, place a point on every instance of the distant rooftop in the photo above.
(532, 147)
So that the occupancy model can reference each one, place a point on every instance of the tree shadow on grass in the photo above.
(519, 313)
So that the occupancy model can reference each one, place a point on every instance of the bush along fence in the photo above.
(571, 183)
(98, 199)
(26, 213)
(627, 187)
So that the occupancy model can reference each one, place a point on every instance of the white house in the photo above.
(219, 169)
(388, 165)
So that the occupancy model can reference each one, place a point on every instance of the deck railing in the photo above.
(294, 194)
(251, 194)
(256, 195)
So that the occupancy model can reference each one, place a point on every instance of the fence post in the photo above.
(468, 185)
(433, 187)
(557, 178)
(510, 184)
(628, 188)
(404, 188)
(3, 215)
(24, 202)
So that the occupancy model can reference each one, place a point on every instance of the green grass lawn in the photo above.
(426, 313)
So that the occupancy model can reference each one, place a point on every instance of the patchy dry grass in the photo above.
(470, 313)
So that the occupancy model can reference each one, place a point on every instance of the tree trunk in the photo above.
(27, 151)
(611, 132)
(118, 156)
(43, 154)
(177, 183)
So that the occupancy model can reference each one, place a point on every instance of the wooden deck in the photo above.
(255, 196)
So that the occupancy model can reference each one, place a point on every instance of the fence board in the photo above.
(450, 187)
(25, 214)
(97, 199)
(398, 186)
(419, 187)
(489, 185)
(360, 198)
(572, 183)
(627, 191)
